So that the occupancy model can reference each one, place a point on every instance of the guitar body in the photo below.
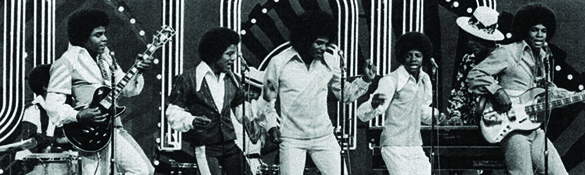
(495, 126)
(92, 137)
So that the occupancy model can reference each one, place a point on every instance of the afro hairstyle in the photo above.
(312, 25)
(215, 42)
(83, 22)
(530, 15)
(413, 41)
(38, 78)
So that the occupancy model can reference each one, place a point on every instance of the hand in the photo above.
(201, 122)
(274, 135)
(369, 71)
(442, 119)
(89, 115)
(502, 101)
(454, 121)
(144, 63)
(378, 100)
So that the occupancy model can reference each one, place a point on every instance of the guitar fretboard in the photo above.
(132, 72)
(539, 107)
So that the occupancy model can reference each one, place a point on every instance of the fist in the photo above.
(378, 100)
(274, 135)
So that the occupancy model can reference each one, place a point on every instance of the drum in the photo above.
(184, 168)
(270, 169)
(51, 163)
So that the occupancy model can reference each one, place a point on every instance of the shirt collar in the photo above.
(325, 60)
(527, 47)
(404, 76)
(82, 50)
(201, 71)
(39, 100)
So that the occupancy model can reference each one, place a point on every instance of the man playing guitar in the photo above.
(520, 68)
(85, 66)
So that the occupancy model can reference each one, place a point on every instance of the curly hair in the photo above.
(83, 22)
(310, 26)
(215, 42)
(38, 78)
(531, 15)
(413, 41)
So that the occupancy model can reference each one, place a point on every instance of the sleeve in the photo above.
(179, 118)
(250, 120)
(481, 77)
(387, 86)
(59, 88)
(351, 90)
(266, 105)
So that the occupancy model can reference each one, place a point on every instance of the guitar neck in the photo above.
(555, 103)
(132, 72)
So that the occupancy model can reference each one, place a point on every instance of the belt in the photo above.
(254, 156)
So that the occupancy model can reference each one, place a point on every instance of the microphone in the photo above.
(547, 49)
(434, 63)
(341, 61)
(245, 66)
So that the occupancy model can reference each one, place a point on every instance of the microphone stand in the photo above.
(547, 111)
(243, 79)
(344, 149)
(434, 103)
(112, 114)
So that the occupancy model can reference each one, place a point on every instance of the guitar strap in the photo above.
(44, 119)
(103, 65)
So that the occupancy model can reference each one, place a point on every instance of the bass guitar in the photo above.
(92, 137)
(527, 113)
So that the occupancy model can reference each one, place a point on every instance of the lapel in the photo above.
(205, 95)
(528, 62)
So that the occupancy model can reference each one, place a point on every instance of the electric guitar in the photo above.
(92, 137)
(527, 113)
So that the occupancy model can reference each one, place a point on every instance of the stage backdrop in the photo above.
(34, 32)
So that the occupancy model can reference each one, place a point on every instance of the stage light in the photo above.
(558, 68)
(569, 77)
(469, 10)
(264, 10)
(243, 32)
(141, 33)
(275, 0)
(121, 8)
(580, 87)
(253, 20)
(155, 61)
(447, 0)
(132, 20)
(455, 4)
(508, 35)
(159, 76)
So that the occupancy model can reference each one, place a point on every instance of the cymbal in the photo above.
(17, 146)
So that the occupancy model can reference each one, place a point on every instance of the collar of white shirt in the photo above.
(202, 70)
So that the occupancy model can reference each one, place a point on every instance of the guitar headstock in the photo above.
(163, 36)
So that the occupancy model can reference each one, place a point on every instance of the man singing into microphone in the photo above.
(518, 67)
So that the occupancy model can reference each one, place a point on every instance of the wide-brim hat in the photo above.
(483, 24)
(254, 77)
